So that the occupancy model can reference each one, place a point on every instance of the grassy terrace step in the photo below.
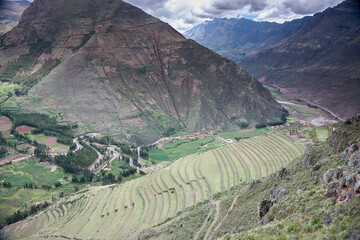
(121, 211)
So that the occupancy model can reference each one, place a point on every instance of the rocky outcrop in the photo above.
(263, 208)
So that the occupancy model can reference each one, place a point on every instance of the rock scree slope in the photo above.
(112, 67)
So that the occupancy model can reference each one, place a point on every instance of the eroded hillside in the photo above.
(113, 68)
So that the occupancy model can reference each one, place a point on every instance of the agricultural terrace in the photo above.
(121, 211)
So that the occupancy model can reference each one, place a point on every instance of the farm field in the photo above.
(121, 211)
(8, 89)
(30, 171)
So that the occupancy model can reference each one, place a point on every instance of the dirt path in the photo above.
(205, 222)
(14, 158)
(78, 145)
(139, 157)
(131, 161)
(224, 218)
(216, 217)
(313, 104)
(97, 161)
(116, 154)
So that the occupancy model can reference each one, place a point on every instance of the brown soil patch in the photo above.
(246, 130)
(12, 158)
(50, 142)
(137, 121)
(5, 124)
(63, 147)
(24, 129)
(53, 168)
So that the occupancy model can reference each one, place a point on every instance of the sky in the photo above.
(185, 14)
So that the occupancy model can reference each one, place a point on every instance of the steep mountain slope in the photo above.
(10, 14)
(319, 63)
(115, 69)
(239, 38)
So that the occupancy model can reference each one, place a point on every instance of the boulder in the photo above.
(263, 208)
(277, 193)
(349, 151)
(282, 172)
(332, 175)
(357, 189)
(354, 160)
(332, 190)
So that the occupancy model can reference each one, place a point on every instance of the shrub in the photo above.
(293, 228)
(260, 125)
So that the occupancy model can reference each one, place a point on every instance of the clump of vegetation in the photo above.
(76, 162)
(22, 214)
(42, 124)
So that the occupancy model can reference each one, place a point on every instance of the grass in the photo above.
(52, 111)
(158, 155)
(8, 89)
(12, 104)
(176, 150)
(163, 194)
(30, 171)
(322, 133)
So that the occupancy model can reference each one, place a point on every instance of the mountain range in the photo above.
(314, 59)
(113, 68)
(10, 14)
(319, 63)
(237, 39)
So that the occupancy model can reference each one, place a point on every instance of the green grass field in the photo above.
(7, 89)
(12, 104)
(158, 155)
(29, 171)
(121, 211)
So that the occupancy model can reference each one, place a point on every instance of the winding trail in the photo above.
(139, 157)
(97, 160)
(78, 145)
(224, 218)
(216, 217)
(205, 222)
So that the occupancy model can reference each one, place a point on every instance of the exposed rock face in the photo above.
(318, 63)
(127, 74)
(263, 208)
(345, 135)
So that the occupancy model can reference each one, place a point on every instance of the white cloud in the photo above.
(185, 14)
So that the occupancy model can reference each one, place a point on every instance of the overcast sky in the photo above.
(185, 14)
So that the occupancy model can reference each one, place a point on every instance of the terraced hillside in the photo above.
(121, 211)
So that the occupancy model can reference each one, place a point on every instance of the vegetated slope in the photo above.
(314, 197)
(239, 38)
(122, 211)
(10, 14)
(320, 62)
(111, 66)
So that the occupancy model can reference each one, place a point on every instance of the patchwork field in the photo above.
(29, 171)
(121, 211)
(5, 123)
